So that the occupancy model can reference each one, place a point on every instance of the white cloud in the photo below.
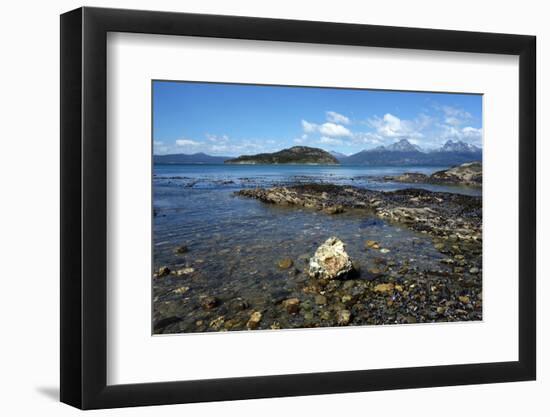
(330, 141)
(187, 142)
(465, 134)
(326, 129)
(391, 126)
(334, 117)
(308, 127)
(334, 130)
(455, 116)
(217, 138)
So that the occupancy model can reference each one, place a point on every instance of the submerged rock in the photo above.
(343, 317)
(330, 260)
(184, 271)
(209, 303)
(292, 305)
(285, 263)
(254, 320)
(163, 271)
(181, 249)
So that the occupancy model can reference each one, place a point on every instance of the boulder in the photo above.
(330, 261)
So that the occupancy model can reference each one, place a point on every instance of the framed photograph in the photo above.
(258, 208)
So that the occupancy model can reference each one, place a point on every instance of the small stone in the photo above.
(292, 305)
(209, 303)
(474, 270)
(216, 324)
(184, 271)
(321, 300)
(372, 244)
(384, 250)
(333, 210)
(440, 310)
(343, 317)
(399, 287)
(464, 299)
(439, 246)
(275, 325)
(254, 320)
(163, 271)
(384, 287)
(181, 249)
(346, 299)
(180, 290)
(285, 263)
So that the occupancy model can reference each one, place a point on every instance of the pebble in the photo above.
(209, 303)
(181, 249)
(384, 287)
(254, 320)
(292, 305)
(285, 263)
(163, 271)
(343, 317)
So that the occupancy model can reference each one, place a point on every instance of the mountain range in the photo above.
(400, 153)
(405, 153)
(195, 158)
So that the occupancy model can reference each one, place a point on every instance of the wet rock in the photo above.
(292, 305)
(330, 261)
(208, 302)
(333, 209)
(343, 317)
(384, 288)
(180, 290)
(373, 244)
(163, 271)
(240, 304)
(320, 300)
(184, 271)
(464, 299)
(181, 249)
(285, 263)
(254, 320)
(217, 323)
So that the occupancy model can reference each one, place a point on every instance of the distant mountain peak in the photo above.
(403, 145)
(458, 146)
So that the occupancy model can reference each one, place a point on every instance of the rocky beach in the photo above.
(317, 250)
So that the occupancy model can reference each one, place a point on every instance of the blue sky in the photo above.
(234, 119)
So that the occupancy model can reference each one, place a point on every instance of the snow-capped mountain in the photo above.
(458, 146)
(403, 152)
(403, 146)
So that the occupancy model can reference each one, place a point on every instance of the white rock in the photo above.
(330, 260)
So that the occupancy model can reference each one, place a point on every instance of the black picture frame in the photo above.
(84, 207)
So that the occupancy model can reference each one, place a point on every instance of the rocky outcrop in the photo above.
(466, 174)
(438, 214)
(330, 261)
(470, 174)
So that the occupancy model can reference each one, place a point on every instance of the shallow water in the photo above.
(235, 243)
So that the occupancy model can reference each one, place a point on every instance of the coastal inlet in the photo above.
(241, 247)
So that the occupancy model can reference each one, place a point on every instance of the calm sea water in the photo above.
(234, 243)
